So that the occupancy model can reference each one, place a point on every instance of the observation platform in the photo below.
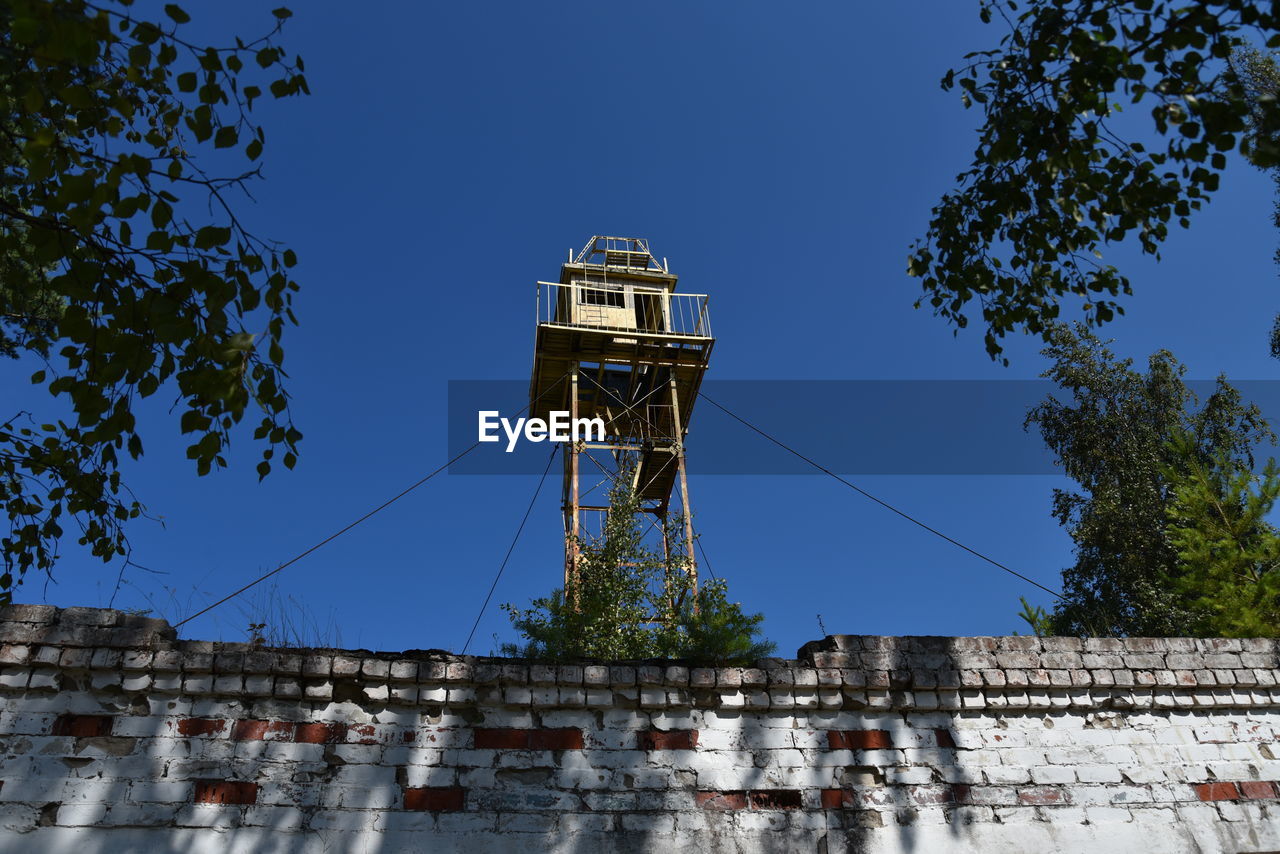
(615, 315)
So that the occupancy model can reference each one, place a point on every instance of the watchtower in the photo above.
(615, 341)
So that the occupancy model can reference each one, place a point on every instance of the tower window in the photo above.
(596, 296)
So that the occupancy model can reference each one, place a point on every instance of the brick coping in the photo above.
(38, 643)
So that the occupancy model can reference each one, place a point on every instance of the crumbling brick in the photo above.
(859, 739)
(225, 792)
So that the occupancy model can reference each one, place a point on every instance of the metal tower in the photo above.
(615, 341)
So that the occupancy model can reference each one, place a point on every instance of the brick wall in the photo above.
(115, 737)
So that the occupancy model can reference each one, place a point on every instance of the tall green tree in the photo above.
(1228, 568)
(1115, 432)
(630, 602)
(1057, 178)
(125, 271)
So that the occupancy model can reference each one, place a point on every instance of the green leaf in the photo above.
(25, 30)
(160, 241)
(161, 213)
(226, 137)
(176, 13)
(210, 236)
(140, 56)
(241, 341)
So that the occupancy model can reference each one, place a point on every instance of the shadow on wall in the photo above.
(896, 773)
(107, 748)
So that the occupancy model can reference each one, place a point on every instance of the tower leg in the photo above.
(684, 488)
(573, 531)
(666, 557)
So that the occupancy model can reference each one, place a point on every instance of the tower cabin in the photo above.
(615, 340)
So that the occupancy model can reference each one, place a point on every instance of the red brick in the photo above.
(566, 738)
(82, 726)
(502, 739)
(1258, 789)
(721, 800)
(201, 726)
(676, 739)
(320, 733)
(251, 730)
(362, 734)
(944, 738)
(859, 739)
(1043, 796)
(434, 798)
(832, 799)
(1216, 791)
(225, 792)
(774, 799)
(961, 793)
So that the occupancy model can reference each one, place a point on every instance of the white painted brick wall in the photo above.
(862, 744)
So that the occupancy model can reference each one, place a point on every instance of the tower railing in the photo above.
(588, 306)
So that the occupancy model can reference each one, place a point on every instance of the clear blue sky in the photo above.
(783, 157)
